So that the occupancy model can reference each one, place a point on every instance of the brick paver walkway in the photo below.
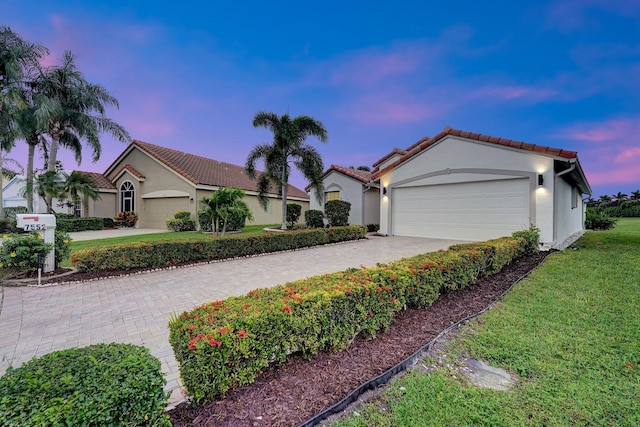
(135, 309)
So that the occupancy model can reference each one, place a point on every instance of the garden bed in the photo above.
(289, 394)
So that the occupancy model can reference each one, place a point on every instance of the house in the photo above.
(156, 182)
(354, 186)
(468, 186)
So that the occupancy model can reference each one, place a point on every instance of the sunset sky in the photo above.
(191, 75)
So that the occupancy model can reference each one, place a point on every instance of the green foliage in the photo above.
(225, 344)
(125, 219)
(12, 211)
(71, 223)
(597, 219)
(294, 211)
(226, 205)
(8, 226)
(337, 212)
(62, 246)
(21, 251)
(314, 218)
(532, 236)
(627, 209)
(372, 228)
(235, 222)
(181, 222)
(99, 385)
(108, 222)
(172, 252)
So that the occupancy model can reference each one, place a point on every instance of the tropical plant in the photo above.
(125, 219)
(71, 110)
(223, 203)
(294, 211)
(288, 145)
(80, 187)
(635, 195)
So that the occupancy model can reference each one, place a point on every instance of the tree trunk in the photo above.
(285, 189)
(53, 156)
(1, 187)
(29, 187)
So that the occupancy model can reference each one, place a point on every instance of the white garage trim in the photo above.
(476, 210)
(163, 194)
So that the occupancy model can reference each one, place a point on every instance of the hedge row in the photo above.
(225, 344)
(98, 385)
(173, 252)
(79, 224)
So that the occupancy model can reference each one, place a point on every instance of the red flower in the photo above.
(287, 309)
(379, 289)
(214, 342)
(387, 288)
(191, 327)
(348, 291)
(371, 314)
(393, 277)
(242, 333)
(223, 331)
(246, 306)
(192, 345)
(367, 291)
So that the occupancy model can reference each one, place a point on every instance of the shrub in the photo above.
(181, 222)
(225, 344)
(597, 219)
(294, 211)
(71, 224)
(108, 223)
(8, 226)
(314, 218)
(234, 223)
(12, 211)
(21, 251)
(125, 219)
(171, 252)
(62, 246)
(532, 236)
(99, 385)
(372, 228)
(337, 212)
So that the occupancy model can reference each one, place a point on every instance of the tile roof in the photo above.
(386, 156)
(360, 175)
(204, 171)
(426, 142)
(130, 169)
(100, 180)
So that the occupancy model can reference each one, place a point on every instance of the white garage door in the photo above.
(467, 211)
(157, 211)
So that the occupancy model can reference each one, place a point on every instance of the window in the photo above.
(332, 195)
(574, 197)
(127, 194)
(77, 209)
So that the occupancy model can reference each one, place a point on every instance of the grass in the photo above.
(249, 230)
(570, 332)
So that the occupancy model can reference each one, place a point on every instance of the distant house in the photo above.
(354, 186)
(156, 182)
(467, 186)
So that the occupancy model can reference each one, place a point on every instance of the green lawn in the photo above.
(189, 235)
(571, 332)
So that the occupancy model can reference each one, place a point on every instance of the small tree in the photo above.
(223, 204)
(293, 213)
(314, 218)
(337, 212)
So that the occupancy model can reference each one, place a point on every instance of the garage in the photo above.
(160, 206)
(478, 210)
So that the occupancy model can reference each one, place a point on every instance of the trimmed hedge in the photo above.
(225, 344)
(79, 224)
(314, 218)
(337, 212)
(172, 252)
(98, 385)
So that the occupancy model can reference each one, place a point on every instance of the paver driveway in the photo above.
(135, 309)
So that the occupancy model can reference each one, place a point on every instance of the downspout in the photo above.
(572, 162)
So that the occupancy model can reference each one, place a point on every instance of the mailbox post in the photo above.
(45, 225)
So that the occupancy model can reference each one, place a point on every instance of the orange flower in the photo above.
(242, 333)
(287, 309)
(223, 331)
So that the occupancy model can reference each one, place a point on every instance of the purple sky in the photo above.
(379, 75)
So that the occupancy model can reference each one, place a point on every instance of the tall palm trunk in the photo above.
(32, 141)
(285, 189)
(56, 133)
(1, 187)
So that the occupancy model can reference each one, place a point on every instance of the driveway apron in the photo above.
(136, 308)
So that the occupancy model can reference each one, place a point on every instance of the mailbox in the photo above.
(36, 222)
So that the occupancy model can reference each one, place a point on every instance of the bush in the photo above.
(337, 212)
(12, 211)
(597, 219)
(532, 236)
(108, 222)
(225, 344)
(181, 222)
(294, 211)
(8, 226)
(71, 224)
(99, 385)
(314, 218)
(125, 219)
(172, 252)
(21, 251)
(235, 222)
(372, 228)
(62, 246)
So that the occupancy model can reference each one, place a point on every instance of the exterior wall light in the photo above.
(384, 191)
(540, 179)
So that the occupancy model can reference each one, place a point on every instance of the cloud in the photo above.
(513, 92)
(569, 15)
(611, 131)
(389, 108)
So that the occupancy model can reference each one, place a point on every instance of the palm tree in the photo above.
(604, 200)
(288, 145)
(18, 60)
(80, 187)
(635, 195)
(223, 203)
(72, 110)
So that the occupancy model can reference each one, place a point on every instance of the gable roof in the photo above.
(427, 142)
(201, 170)
(357, 174)
(100, 180)
(391, 153)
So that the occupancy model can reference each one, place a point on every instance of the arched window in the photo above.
(127, 197)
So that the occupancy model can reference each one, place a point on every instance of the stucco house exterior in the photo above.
(468, 186)
(354, 186)
(156, 182)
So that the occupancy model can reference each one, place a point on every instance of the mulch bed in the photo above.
(291, 393)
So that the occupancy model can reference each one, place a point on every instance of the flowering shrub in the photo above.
(172, 252)
(99, 385)
(21, 251)
(225, 344)
(125, 219)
